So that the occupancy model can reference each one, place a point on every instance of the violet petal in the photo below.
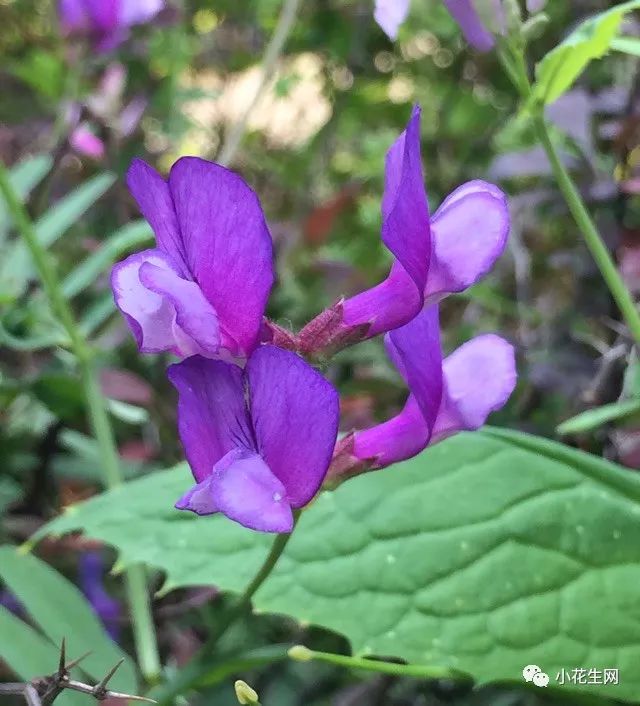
(295, 416)
(212, 416)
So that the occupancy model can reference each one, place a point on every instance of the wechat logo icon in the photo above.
(533, 673)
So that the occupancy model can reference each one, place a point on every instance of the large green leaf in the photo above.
(558, 70)
(488, 552)
(61, 611)
(29, 655)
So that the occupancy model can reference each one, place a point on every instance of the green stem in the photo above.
(199, 666)
(420, 671)
(146, 646)
(515, 67)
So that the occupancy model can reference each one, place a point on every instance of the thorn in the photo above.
(99, 690)
(118, 695)
(75, 662)
(63, 658)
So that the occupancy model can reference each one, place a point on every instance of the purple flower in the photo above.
(106, 21)
(433, 257)
(259, 441)
(469, 15)
(91, 570)
(445, 396)
(204, 288)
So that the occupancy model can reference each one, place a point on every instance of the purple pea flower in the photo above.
(108, 609)
(107, 22)
(259, 441)
(434, 256)
(471, 16)
(445, 397)
(204, 288)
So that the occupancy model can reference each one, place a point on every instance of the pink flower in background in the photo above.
(87, 143)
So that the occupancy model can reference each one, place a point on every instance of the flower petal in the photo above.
(415, 350)
(244, 489)
(152, 193)
(295, 417)
(464, 13)
(390, 14)
(397, 439)
(212, 415)
(469, 233)
(150, 316)
(195, 317)
(133, 12)
(479, 378)
(406, 232)
(227, 245)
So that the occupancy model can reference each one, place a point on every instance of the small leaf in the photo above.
(61, 611)
(24, 177)
(16, 269)
(595, 418)
(30, 655)
(558, 70)
(487, 552)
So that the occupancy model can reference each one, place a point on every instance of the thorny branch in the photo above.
(43, 691)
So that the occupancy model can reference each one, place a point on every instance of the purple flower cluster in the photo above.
(478, 19)
(258, 423)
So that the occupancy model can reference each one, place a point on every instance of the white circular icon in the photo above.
(541, 679)
(530, 671)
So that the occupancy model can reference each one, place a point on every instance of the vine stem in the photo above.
(420, 671)
(269, 60)
(200, 665)
(515, 68)
(135, 578)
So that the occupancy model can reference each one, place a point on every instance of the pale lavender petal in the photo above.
(212, 415)
(248, 492)
(464, 13)
(295, 416)
(227, 245)
(134, 12)
(152, 193)
(149, 315)
(390, 14)
(406, 232)
(195, 317)
(479, 378)
(469, 233)
(243, 488)
(397, 439)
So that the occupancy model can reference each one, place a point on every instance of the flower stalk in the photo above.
(135, 578)
(515, 66)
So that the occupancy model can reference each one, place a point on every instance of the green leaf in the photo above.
(118, 243)
(595, 418)
(61, 611)
(30, 655)
(17, 269)
(626, 45)
(488, 552)
(558, 70)
(10, 491)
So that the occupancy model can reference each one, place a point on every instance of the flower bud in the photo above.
(245, 694)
